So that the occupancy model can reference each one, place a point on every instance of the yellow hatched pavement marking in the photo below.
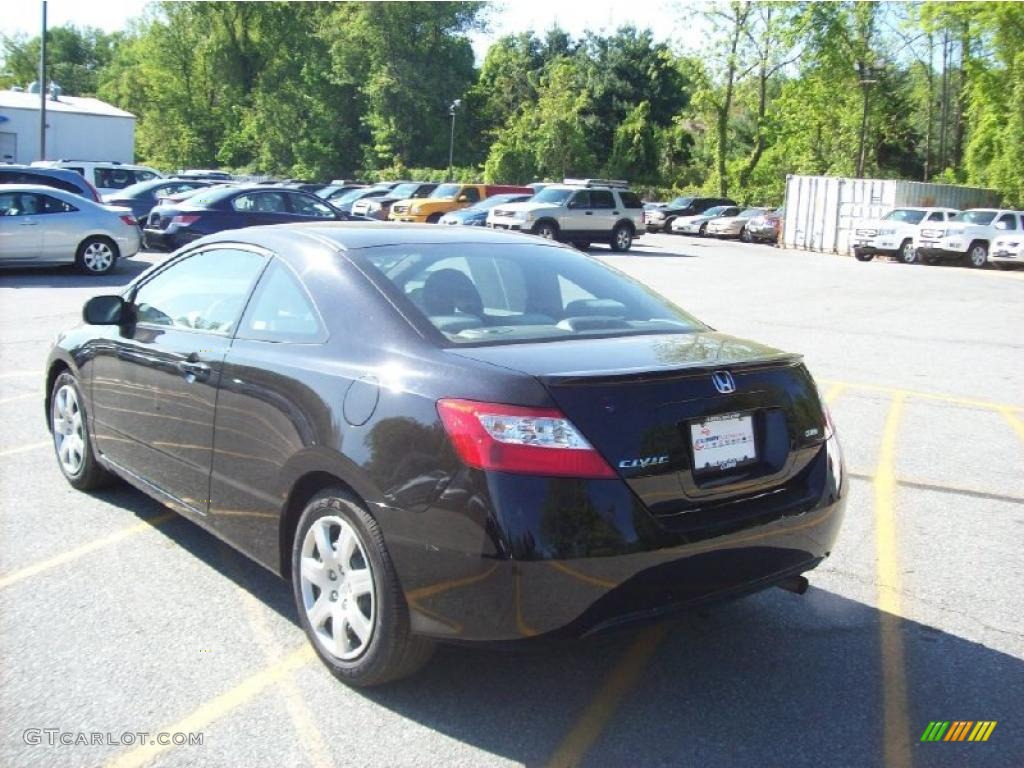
(620, 681)
(1013, 421)
(217, 707)
(73, 554)
(23, 448)
(896, 723)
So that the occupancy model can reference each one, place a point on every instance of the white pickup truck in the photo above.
(968, 236)
(894, 234)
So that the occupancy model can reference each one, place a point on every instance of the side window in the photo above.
(309, 206)
(936, 216)
(260, 202)
(580, 200)
(601, 198)
(280, 310)
(143, 176)
(53, 205)
(472, 194)
(631, 200)
(21, 204)
(114, 178)
(1008, 220)
(203, 292)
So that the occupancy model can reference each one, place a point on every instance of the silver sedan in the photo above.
(43, 226)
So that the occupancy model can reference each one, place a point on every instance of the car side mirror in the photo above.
(104, 310)
(572, 204)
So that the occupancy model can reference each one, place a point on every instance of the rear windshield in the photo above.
(975, 217)
(520, 292)
(446, 191)
(905, 215)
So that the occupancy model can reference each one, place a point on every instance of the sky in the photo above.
(506, 17)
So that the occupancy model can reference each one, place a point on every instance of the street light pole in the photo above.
(452, 109)
(42, 88)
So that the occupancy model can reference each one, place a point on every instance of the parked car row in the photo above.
(974, 237)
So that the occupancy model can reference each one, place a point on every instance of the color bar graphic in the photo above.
(958, 730)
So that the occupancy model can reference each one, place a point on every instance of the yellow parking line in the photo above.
(1013, 421)
(23, 448)
(896, 723)
(25, 396)
(834, 392)
(965, 401)
(73, 554)
(617, 685)
(216, 708)
(17, 374)
(310, 739)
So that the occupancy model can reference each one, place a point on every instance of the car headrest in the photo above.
(448, 291)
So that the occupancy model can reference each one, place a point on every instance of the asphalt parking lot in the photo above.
(117, 617)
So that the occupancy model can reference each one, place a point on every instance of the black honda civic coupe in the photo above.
(449, 434)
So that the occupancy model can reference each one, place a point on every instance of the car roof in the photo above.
(346, 236)
(43, 189)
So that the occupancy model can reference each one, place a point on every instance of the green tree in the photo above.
(75, 58)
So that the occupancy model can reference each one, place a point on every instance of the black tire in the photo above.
(392, 652)
(97, 255)
(434, 218)
(745, 236)
(622, 238)
(703, 231)
(907, 254)
(90, 475)
(859, 255)
(931, 261)
(977, 255)
(546, 229)
(667, 229)
(582, 245)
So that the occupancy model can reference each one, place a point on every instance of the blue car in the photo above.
(169, 227)
(476, 215)
(143, 196)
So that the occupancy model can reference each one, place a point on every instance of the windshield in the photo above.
(403, 191)
(351, 197)
(751, 212)
(446, 191)
(718, 210)
(975, 217)
(905, 215)
(519, 292)
(552, 196)
(681, 202)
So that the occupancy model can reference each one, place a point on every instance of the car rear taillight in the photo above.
(511, 438)
(184, 219)
(129, 220)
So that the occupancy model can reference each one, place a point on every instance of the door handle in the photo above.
(29, 223)
(193, 371)
(589, 213)
(615, 213)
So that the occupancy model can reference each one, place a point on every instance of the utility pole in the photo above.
(452, 109)
(867, 79)
(42, 88)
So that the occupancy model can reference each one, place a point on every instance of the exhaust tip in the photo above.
(795, 584)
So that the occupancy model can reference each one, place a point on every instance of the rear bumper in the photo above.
(567, 558)
(166, 240)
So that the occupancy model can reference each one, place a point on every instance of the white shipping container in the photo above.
(821, 211)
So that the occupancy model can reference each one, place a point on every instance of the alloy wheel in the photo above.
(978, 256)
(623, 239)
(338, 592)
(97, 257)
(68, 430)
(546, 231)
(908, 254)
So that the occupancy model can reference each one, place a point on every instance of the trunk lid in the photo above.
(642, 402)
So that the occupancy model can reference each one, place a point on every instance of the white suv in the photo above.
(968, 236)
(578, 211)
(894, 234)
(107, 177)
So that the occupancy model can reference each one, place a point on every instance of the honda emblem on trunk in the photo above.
(724, 382)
